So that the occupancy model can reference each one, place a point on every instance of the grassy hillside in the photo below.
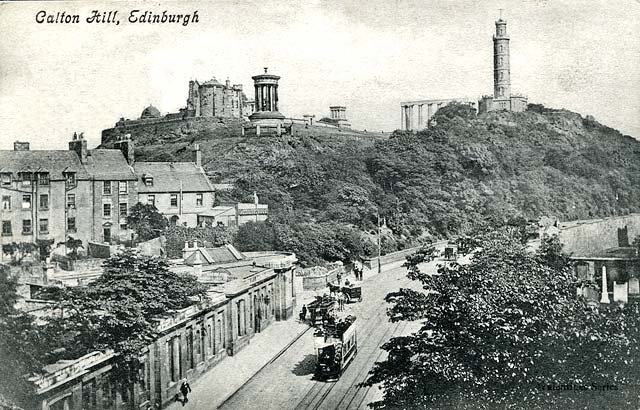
(466, 171)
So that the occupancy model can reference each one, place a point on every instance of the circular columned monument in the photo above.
(266, 97)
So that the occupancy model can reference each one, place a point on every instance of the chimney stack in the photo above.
(20, 146)
(125, 144)
(79, 145)
(197, 156)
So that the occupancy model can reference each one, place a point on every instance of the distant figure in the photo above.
(303, 313)
(185, 389)
(347, 283)
(339, 278)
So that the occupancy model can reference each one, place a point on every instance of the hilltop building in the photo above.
(209, 99)
(413, 115)
(502, 98)
(266, 119)
(54, 194)
(338, 117)
(213, 99)
(416, 115)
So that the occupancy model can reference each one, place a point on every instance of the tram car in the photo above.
(320, 308)
(336, 345)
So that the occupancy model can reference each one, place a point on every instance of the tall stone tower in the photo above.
(501, 70)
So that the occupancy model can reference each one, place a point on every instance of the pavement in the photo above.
(220, 382)
(218, 385)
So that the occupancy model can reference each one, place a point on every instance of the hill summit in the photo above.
(464, 172)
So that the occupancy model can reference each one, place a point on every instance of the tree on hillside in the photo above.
(119, 310)
(146, 221)
(256, 236)
(504, 330)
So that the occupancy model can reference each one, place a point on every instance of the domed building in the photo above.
(149, 113)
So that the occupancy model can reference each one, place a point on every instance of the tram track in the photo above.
(316, 397)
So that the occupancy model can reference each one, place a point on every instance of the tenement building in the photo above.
(179, 190)
(247, 292)
(55, 194)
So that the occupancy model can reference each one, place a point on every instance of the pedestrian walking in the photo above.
(339, 278)
(185, 389)
(303, 313)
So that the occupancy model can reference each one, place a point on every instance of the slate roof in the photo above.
(109, 165)
(168, 175)
(217, 255)
(55, 162)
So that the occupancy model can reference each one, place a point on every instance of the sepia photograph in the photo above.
(320, 205)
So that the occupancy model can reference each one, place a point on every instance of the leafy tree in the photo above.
(146, 221)
(256, 236)
(72, 245)
(21, 346)
(44, 247)
(502, 330)
(18, 251)
(119, 310)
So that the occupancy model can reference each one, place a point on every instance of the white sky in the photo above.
(368, 55)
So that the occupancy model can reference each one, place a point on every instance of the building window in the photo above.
(6, 179)
(71, 201)
(123, 227)
(148, 181)
(122, 187)
(70, 179)
(106, 187)
(43, 226)
(26, 201)
(123, 210)
(44, 201)
(71, 224)
(190, 353)
(174, 200)
(199, 199)
(44, 178)
(106, 210)
(6, 202)
(26, 227)
(6, 228)
(151, 200)
(25, 177)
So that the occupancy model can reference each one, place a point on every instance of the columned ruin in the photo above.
(416, 115)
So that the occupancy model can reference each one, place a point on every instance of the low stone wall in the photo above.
(582, 238)
(370, 265)
(321, 281)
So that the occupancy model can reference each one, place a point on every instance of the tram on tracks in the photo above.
(336, 345)
(321, 308)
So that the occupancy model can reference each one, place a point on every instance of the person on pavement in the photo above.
(185, 389)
